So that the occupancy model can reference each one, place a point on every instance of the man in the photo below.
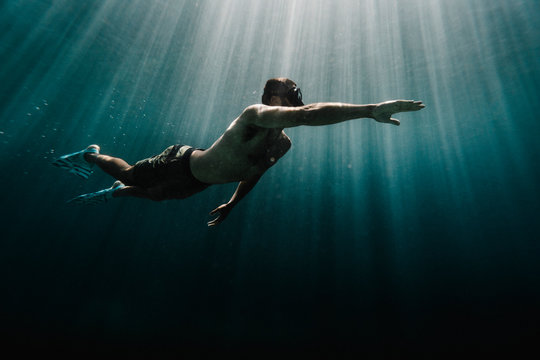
(252, 143)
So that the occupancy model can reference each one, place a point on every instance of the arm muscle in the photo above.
(317, 114)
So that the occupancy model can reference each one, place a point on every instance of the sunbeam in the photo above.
(364, 235)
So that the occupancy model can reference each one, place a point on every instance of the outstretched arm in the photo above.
(319, 114)
(244, 187)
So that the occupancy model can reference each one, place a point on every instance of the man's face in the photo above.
(292, 98)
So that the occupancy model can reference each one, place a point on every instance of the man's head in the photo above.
(283, 92)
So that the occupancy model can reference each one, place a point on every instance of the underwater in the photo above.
(365, 239)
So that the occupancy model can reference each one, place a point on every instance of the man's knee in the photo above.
(127, 175)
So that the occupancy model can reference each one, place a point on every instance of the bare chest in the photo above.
(238, 156)
(267, 150)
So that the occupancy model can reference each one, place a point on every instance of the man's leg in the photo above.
(117, 190)
(133, 191)
(116, 167)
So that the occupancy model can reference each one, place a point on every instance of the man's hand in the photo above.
(223, 211)
(383, 112)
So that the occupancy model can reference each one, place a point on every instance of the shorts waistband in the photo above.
(184, 152)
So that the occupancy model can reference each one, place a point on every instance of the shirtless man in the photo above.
(252, 143)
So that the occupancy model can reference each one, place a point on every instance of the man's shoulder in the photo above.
(250, 115)
(252, 111)
(246, 120)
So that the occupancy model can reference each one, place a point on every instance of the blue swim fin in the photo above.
(97, 197)
(75, 163)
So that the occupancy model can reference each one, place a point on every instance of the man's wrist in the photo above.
(370, 109)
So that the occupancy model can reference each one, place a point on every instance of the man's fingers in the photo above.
(419, 105)
(214, 222)
(410, 105)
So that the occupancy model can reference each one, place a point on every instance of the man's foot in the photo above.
(76, 163)
(98, 197)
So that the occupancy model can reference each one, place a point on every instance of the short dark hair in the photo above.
(276, 87)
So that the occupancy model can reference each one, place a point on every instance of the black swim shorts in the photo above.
(168, 174)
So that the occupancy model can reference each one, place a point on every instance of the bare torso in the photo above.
(242, 152)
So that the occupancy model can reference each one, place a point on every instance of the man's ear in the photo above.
(275, 101)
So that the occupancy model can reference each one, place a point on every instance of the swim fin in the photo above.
(97, 197)
(75, 163)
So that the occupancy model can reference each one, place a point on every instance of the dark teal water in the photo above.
(364, 238)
